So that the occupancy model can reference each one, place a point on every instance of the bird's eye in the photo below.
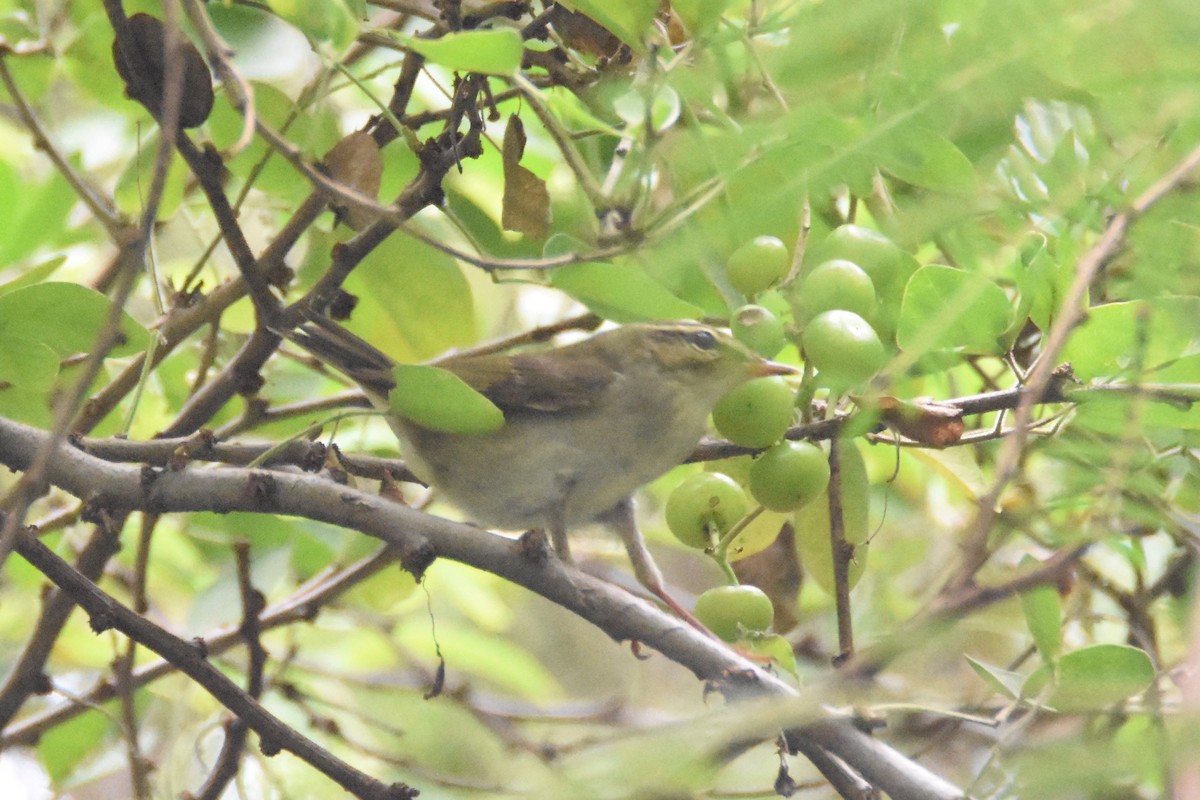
(703, 339)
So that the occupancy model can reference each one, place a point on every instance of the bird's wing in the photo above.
(545, 382)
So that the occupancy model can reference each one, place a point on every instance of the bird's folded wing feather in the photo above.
(536, 381)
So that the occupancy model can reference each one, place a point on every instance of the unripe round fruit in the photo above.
(759, 329)
(870, 250)
(757, 264)
(835, 284)
(843, 347)
(756, 413)
(704, 499)
(724, 608)
(878, 256)
(789, 476)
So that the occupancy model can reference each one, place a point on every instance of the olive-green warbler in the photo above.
(585, 424)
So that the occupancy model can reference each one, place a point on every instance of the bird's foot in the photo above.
(535, 546)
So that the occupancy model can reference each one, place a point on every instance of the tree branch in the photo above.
(419, 538)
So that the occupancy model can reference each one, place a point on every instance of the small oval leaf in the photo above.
(621, 293)
(1043, 615)
(1100, 676)
(946, 308)
(67, 317)
(927, 159)
(437, 399)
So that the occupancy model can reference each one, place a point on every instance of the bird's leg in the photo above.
(558, 533)
(622, 520)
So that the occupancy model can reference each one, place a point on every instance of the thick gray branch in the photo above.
(421, 538)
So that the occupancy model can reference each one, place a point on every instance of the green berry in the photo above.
(843, 347)
(757, 413)
(758, 264)
(727, 611)
(759, 329)
(835, 284)
(703, 500)
(789, 475)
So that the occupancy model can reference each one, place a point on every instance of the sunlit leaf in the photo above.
(62, 747)
(413, 299)
(812, 522)
(493, 52)
(700, 16)
(621, 293)
(758, 534)
(38, 212)
(774, 647)
(437, 399)
(1108, 342)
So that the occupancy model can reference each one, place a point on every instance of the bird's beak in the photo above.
(763, 368)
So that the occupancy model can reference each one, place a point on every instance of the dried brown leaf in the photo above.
(526, 206)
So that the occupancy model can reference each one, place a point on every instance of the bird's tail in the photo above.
(349, 354)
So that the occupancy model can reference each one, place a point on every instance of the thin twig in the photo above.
(1070, 315)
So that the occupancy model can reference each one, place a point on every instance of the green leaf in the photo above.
(328, 21)
(927, 159)
(1107, 344)
(33, 275)
(438, 399)
(38, 216)
(497, 660)
(1170, 401)
(958, 466)
(130, 192)
(27, 363)
(1043, 615)
(27, 372)
(700, 16)
(1099, 676)
(413, 300)
(493, 52)
(67, 317)
(1002, 681)
(1037, 682)
(313, 128)
(621, 293)
(628, 20)
(1043, 283)
(952, 309)
(64, 746)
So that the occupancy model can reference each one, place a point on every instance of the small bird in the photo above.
(585, 424)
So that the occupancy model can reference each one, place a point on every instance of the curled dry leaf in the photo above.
(526, 207)
(925, 421)
(138, 55)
